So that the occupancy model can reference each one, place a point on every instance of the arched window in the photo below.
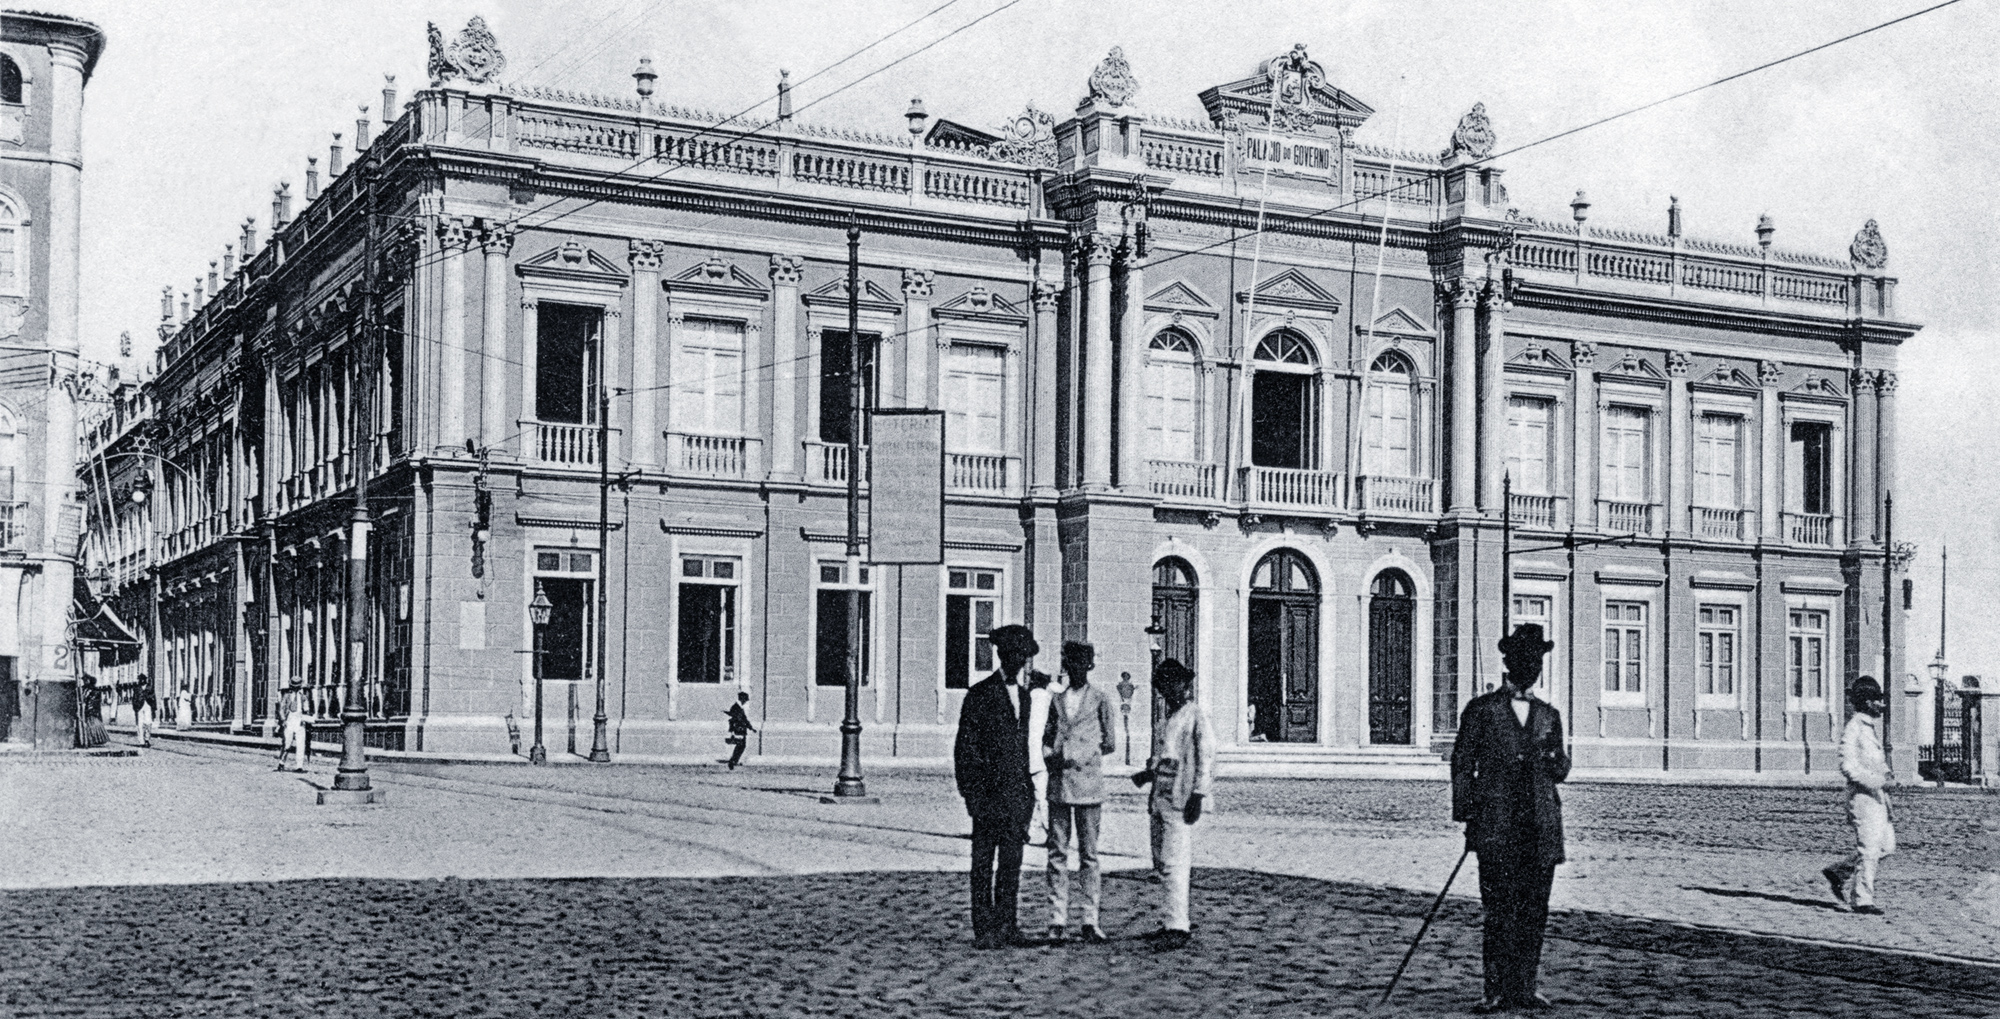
(1283, 689)
(12, 279)
(1283, 403)
(10, 459)
(1285, 572)
(1173, 398)
(1390, 430)
(10, 81)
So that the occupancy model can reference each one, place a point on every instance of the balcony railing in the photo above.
(1809, 528)
(1284, 486)
(717, 456)
(1535, 511)
(13, 525)
(1377, 493)
(1182, 479)
(1718, 524)
(1627, 517)
(574, 445)
(977, 472)
(826, 463)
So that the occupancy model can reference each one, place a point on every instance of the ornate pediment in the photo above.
(1178, 296)
(983, 305)
(1535, 354)
(1819, 384)
(1634, 366)
(572, 260)
(1397, 322)
(717, 275)
(1306, 104)
(1727, 376)
(833, 294)
(1292, 289)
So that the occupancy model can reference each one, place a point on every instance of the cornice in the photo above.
(1631, 307)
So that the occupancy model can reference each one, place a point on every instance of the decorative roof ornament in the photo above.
(1112, 83)
(1868, 251)
(1294, 76)
(1474, 137)
(1029, 139)
(474, 56)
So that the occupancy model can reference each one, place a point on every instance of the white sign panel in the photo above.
(1284, 154)
(906, 488)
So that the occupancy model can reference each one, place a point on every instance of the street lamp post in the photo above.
(538, 613)
(848, 786)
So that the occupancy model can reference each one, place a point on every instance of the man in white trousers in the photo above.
(292, 715)
(1181, 777)
(1868, 778)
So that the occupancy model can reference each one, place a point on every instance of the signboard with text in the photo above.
(906, 488)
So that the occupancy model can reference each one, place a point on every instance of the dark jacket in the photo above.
(739, 722)
(143, 697)
(1503, 780)
(990, 756)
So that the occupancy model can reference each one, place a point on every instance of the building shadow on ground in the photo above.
(879, 944)
(1745, 893)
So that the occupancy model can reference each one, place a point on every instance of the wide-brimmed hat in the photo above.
(295, 684)
(1014, 635)
(1526, 637)
(1171, 672)
(1864, 689)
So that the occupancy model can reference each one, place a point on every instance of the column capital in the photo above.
(1044, 294)
(1585, 355)
(1886, 382)
(1096, 249)
(64, 53)
(1677, 364)
(1465, 292)
(496, 237)
(1494, 298)
(1768, 373)
(454, 233)
(918, 284)
(786, 270)
(645, 256)
(1864, 379)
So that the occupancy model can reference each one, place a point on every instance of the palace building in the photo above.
(1283, 456)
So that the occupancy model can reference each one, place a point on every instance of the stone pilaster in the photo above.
(1097, 363)
(916, 384)
(454, 240)
(495, 240)
(786, 365)
(1583, 441)
(1678, 492)
(643, 444)
(1885, 436)
(1042, 394)
(1464, 395)
(1771, 443)
(1132, 474)
(1866, 504)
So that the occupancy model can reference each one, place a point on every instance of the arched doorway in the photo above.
(1392, 613)
(1174, 596)
(1284, 649)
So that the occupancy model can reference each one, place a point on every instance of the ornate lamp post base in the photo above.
(352, 797)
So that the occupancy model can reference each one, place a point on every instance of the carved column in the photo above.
(1493, 401)
(1097, 363)
(1464, 394)
(1771, 441)
(785, 273)
(1865, 503)
(1041, 417)
(529, 323)
(1132, 475)
(454, 240)
(916, 386)
(642, 445)
(496, 240)
(1885, 439)
(1677, 489)
(1583, 441)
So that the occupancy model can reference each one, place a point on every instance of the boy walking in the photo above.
(739, 728)
(1181, 777)
(292, 715)
(1867, 771)
(144, 704)
(1080, 732)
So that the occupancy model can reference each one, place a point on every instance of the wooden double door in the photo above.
(1284, 650)
(1391, 651)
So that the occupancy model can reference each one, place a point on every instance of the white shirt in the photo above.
(1521, 705)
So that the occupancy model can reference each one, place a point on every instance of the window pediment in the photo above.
(573, 262)
(981, 305)
(1397, 322)
(1180, 298)
(716, 276)
(1293, 289)
(833, 294)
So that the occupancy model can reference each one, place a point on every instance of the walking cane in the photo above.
(1428, 917)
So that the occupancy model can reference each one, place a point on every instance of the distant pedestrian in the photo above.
(739, 728)
(1181, 774)
(990, 762)
(1040, 689)
(1505, 763)
(292, 718)
(1868, 778)
(1081, 730)
(184, 710)
(90, 714)
(144, 704)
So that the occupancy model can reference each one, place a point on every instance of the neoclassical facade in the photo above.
(1285, 456)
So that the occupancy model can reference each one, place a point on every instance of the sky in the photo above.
(199, 107)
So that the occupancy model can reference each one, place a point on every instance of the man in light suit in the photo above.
(1181, 775)
(990, 761)
(1081, 730)
(1505, 764)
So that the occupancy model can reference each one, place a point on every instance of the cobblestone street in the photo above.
(209, 885)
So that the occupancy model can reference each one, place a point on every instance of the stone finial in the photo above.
(278, 209)
(166, 304)
(312, 177)
(388, 99)
(1673, 216)
(643, 78)
(474, 56)
(1765, 228)
(361, 130)
(229, 260)
(1868, 251)
(214, 280)
(784, 95)
(916, 115)
(185, 312)
(333, 154)
(1579, 207)
(1112, 82)
(249, 237)
(124, 346)
(1474, 138)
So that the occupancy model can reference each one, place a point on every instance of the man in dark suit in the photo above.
(1505, 764)
(990, 760)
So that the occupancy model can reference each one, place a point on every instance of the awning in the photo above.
(97, 625)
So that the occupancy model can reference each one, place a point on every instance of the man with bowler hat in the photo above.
(1868, 778)
(1505, 764)
(990, 761)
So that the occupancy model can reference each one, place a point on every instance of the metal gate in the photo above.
(1954, 752)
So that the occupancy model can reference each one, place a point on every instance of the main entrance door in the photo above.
(1284, 649)
(1391, 617)
(1174, 608)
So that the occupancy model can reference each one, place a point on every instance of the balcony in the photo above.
(978, 472)
(1718, 524)
(13, 525)
(715, 456)
(1285, 487)
(1182, 479)
(1809, 529)
(1627, 517)
(572, 445)
(826, 463)
(1536, 512)
(1377, 493)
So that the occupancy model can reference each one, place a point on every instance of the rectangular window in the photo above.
(708, 377)
(1808, 468)
(975, 399)
(1625, 647)
(566, 644)
(10, 273)
(1529, 450)
(1388, 429)
(1805, 633)
(392, 382)
(1716, 636)
(971, 603)
(566, 340)
(1717, 452)
(707, 632)
(830, 624)
(1624, 477)
(1173, 407)
(836, 354)
(1539, 610)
